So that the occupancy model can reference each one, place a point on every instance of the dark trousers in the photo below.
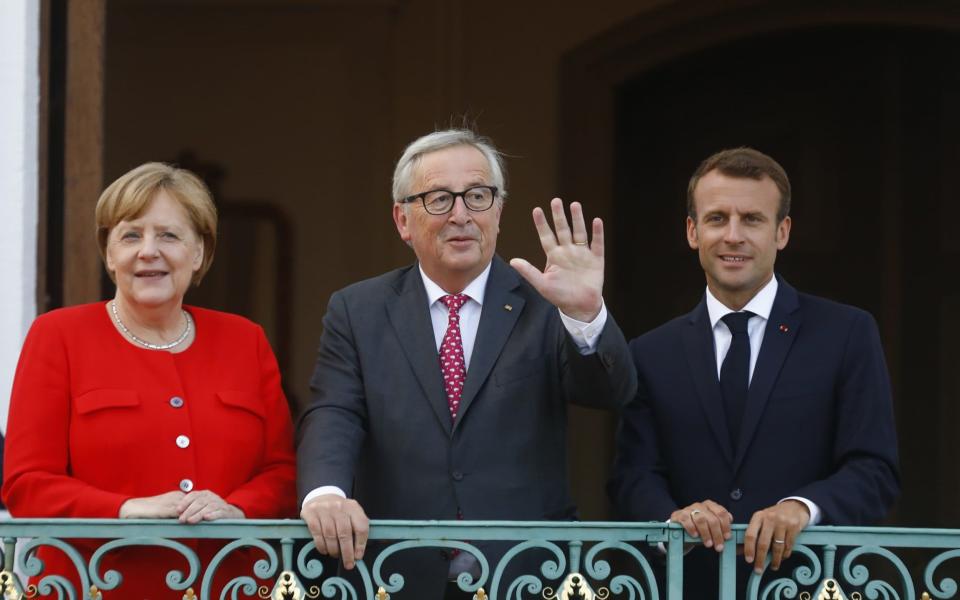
(453, 592)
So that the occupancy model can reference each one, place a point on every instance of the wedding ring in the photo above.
(778, 541)
(695, 512)
(579, 243)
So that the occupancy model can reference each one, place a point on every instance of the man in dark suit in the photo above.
(440, 389)
(763, 404)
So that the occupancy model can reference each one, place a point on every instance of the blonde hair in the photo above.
(128, 197)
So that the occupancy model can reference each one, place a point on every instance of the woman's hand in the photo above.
(163, 506)
(204, 505)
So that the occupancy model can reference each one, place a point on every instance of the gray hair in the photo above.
(439, 140)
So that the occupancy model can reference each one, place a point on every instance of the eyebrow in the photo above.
(136, 224)
(466, 186)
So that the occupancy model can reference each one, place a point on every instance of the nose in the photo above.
(734, 231)
(460, 213)
(149, 248)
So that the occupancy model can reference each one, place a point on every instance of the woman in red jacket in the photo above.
(141, 407)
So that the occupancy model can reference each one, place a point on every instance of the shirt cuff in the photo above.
(662, 548)
(811, 506)
(586, 336)
(320, 491)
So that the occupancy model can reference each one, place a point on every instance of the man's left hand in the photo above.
(775, 530)
(572, 279)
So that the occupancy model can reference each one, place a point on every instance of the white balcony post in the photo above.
(19, 159)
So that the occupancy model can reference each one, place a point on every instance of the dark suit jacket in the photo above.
(378, 422)
(818, 421)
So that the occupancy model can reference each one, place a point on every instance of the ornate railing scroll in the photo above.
(510, 561)
(864, 563)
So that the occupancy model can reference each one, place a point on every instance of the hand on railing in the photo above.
(775, 530)
(161, 506)
(339, 527)
(204, 505)
(706, 520)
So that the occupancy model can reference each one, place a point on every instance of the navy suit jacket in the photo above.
(818, 421)
(378, 422)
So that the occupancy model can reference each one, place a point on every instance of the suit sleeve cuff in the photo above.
(811, 506)
(322, 490)
(586, 336)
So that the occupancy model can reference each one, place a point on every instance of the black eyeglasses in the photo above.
(439, 202)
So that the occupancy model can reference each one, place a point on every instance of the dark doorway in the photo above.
(867, 123)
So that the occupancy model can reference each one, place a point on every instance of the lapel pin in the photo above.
(507, 307)
(784, 328)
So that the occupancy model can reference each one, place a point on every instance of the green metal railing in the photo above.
(587, 560)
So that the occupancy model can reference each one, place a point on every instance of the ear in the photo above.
(198, 259)
(400, 218)
(783, 233)
(692, 239)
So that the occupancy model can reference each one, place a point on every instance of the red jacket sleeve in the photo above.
(37, 477)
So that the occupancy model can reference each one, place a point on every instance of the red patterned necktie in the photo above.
(452, 363)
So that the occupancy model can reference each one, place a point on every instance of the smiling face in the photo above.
(456, 247)
(154, 256)
(736, 234)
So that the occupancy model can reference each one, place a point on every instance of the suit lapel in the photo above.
(496, 323)
(409, 315)
(781, 330)
(702, 358)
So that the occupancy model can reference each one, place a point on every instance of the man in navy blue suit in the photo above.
(763, 404)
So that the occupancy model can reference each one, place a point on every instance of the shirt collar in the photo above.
(475, 289)
(761, 304)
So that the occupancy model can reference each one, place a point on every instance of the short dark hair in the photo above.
(745, 163)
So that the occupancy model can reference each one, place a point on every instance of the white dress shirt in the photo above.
(761, 305)
(585, 335)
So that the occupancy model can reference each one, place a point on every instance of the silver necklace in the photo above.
(145, 343)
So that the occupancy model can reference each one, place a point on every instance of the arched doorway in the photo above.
(860, 107)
